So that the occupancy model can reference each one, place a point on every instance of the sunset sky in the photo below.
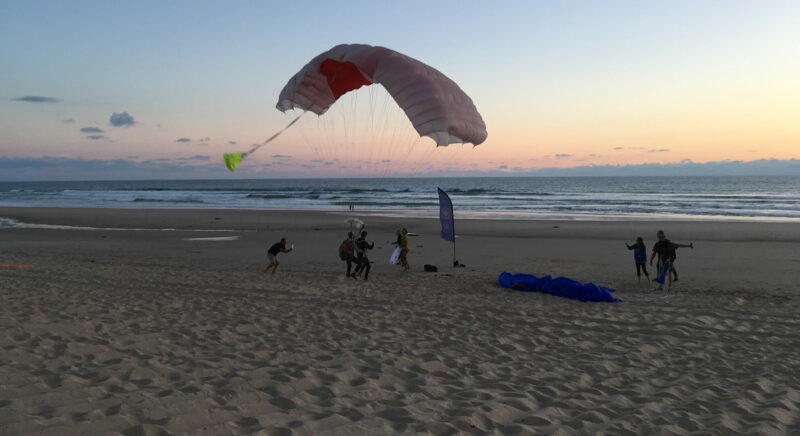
(154, 89)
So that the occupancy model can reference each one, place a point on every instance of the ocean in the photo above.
(748, 198)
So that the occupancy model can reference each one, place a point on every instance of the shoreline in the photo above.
(248, 219)
(461, 214)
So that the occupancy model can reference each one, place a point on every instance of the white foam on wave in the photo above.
(217, 238)
(10, 223)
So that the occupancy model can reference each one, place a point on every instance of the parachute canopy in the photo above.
(434, 104)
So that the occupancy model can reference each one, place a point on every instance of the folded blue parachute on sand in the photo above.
(559, 286)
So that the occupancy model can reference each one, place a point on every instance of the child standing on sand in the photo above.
(640, 257)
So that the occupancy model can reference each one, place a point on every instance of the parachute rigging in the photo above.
(434, 104)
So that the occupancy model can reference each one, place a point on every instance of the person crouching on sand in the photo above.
(640, 257)
(272, 253)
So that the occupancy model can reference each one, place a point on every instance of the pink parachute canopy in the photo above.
(436, 106)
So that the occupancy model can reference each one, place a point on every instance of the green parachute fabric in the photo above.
(232, 160)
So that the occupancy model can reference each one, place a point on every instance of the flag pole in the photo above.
(455, 262)
(448, 221)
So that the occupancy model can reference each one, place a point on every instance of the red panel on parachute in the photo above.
(343, 77)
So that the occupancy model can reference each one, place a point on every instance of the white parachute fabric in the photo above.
(434, 104)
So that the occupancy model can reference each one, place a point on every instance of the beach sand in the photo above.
(160, 322)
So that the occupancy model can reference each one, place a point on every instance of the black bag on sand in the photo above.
(430, 268)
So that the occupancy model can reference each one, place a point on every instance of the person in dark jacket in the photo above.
(667, 251)
(349, 254)
(361, 251)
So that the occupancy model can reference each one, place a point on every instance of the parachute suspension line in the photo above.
(381, 151)
(232, 160)
(399, 162)
(425, 158)
(372, 141)
(378, 147)
(314, 147)
(256, 147)
(353, 135)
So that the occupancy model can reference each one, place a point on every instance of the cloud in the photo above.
(91, 130)
(503, 167)
(619, 148)
(121, 119)
(36, 99)
(198, 157)
(206, 139)
(183, 140)
(660, 150)
(563, 156)
(95, 137)
(281, 156)
(232, 142)
(69, 121)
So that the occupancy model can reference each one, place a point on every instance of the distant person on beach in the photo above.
(361, 250)
(347, 252)
(398, 241)
(272, 253)
(640, 257)
(666, 251)
(404, 250)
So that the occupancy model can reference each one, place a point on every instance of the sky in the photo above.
(154, 89)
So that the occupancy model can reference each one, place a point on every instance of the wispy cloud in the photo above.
(619, 148)
(91, 130)
(562, 156)
(183, 140)
(95, 137)
(659, 150)
(69, 121)
(195, 158)
(232, 142)
(36, 99)
(281, 156)
(121, 119)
